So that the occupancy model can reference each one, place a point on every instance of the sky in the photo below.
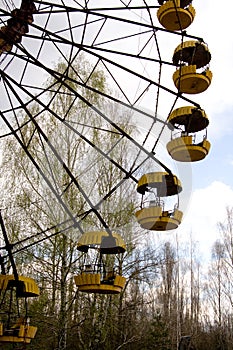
(212, 180)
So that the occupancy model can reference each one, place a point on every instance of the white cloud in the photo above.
(207, 208)
(219, 124)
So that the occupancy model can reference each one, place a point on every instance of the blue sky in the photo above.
(218, 166)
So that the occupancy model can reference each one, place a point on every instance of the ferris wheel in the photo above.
(109, 78)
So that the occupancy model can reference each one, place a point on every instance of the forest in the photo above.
(171, 296)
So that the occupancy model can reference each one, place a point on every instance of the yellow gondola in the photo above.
(187, 80)
(17, 26)
(165, 184)
(154, 216)
(176, 14)
(192, 52)
(191, 56)
(99, 276)
(156, 219)
(185, 148)
(25, 286)
(92, 283)
(107, 244)
(19, 330)
(26, 11)
(4, 45)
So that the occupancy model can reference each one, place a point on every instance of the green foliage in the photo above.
(157, 336)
